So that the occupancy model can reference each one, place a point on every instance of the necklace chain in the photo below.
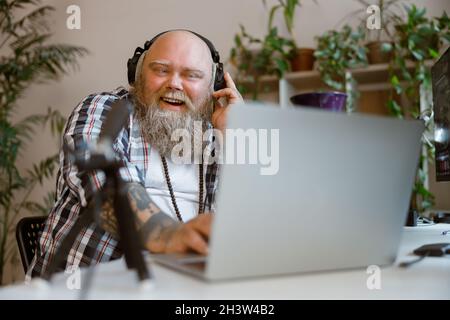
(172, 196)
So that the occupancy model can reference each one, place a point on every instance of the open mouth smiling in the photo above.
(173, 102)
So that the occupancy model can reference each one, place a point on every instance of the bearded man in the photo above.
(172, 88)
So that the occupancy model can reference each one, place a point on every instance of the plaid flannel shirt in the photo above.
(74, 188)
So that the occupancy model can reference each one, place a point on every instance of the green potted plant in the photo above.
(272, 54)
(300, 58)
(379, 41)
(26, 58)
(254, 57)
(337, 53)
(418, 40)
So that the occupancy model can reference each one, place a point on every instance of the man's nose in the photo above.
(175, 82)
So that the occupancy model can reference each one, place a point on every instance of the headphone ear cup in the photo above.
(219, 81)
(131, 66)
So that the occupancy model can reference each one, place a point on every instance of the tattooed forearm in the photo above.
(156, 230)
(151, 223)
(107, 219)
(141, 203)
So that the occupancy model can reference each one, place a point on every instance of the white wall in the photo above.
(111, 29)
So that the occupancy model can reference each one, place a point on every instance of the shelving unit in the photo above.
(371, 78)
(373, 84)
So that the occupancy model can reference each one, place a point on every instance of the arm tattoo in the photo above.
(151, 222)
(156, 230)
(107, 218)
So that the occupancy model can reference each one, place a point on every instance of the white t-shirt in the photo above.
(185, 184)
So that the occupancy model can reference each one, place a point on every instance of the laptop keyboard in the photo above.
(185, 258)
(193, 262)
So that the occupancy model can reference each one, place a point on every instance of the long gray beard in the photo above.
(158, 126)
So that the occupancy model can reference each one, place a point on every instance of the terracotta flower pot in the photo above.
(303, 60)
(376, 54)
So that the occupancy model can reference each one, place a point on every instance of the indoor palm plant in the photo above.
(26, 58)
(337, 53)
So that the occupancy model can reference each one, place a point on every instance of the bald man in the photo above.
(173, 90)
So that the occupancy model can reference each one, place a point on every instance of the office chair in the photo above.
(27, 232)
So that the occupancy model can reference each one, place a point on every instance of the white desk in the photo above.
(428, 279)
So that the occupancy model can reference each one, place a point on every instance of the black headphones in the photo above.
(219, 81)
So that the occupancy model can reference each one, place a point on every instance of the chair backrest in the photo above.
(27, 233)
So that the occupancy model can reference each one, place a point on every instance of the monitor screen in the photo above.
(440, 75)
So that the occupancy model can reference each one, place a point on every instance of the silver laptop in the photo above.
(338, 200)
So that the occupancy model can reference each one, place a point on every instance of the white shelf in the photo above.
(371, 78)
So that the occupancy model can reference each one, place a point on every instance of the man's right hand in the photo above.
(159, 233)
(192, 236)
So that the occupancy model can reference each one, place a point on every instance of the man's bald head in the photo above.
(186, 46)
(185, 39)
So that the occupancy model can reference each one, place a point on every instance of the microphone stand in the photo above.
(124, 215)
(104, 159)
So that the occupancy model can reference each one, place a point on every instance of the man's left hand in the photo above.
(232, 96)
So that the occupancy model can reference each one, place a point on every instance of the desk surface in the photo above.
(427, 279)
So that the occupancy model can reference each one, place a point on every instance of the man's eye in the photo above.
(160, 70)
(193, 75)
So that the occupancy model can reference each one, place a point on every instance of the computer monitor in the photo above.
(440, 76)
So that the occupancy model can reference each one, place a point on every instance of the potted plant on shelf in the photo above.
(337, 53)
(418, 40)
(379, 41)
(301, 59)
(254, 57)
(272, 54)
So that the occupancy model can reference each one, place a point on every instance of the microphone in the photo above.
(102, 154)
(115, 121)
